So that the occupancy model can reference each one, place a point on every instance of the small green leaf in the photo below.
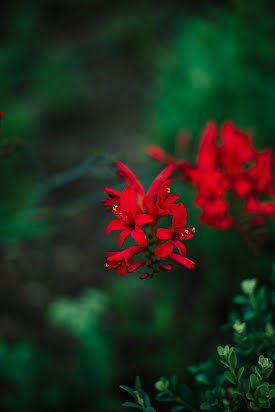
(233, 358)
(254, 407)
(230, 377)
(254, 381)
(138, 384)
(128, 389)
(146, 399)
(240, 373)
(150, 409)
(177, 408)
(220, 351)
(173, 382)
(205, 406)
(132, 405)
(246, 385)
(249, 396)
(186, 393)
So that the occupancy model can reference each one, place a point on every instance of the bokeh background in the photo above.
(84, 83)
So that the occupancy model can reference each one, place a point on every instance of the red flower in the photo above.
(233, 164)
(127, 218)
(114, 198)
(119, 260)
(129, 208)
(147, 199)
(174, 235)
(252, 205)
(181, 260)
(159, 154)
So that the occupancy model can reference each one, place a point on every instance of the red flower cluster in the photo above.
(231, 169)
(137, 214)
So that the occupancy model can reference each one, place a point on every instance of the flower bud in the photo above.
(248, 286)
(144, 276)
(165, 267)
(162, 384)
(134, 266)
(240, 327)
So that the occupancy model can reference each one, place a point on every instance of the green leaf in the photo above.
(220, 351)
(240, 373)
(232, 358)
(246, 385)
(132, 405)
(146, 399)
(249, 396)
(138, 384)
(177, 408)
(254, 407)
(240, 299)
(173, 382)
(254, 381)
(205, 406)
(150, 409)
(186, 393)
(225, 364)
(128, 389)
(230, 377)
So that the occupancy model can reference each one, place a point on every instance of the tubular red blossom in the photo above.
(136, 265)
(165, 267)
(130, 178)
(144, 276)
(159, 154)
(119, 260)
(156, 185)
(181, 260)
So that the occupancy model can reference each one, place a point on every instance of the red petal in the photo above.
(139, 236)
(136, 265)
(121, 269)
(122, 236)
(181, 260)
(128, 176)
(128, 200)
(165, 267)
(159, 154)
(179, 218)
(115, 225)
(181, 247)
(142, 219)
(157, 183)
(163, 234)
(164, 249)
(111, 192)
(144, 276)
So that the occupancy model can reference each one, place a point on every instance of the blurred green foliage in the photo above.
(38, 378)
(220, 67)
(248, 380)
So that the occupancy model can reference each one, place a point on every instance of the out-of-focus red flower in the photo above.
(229, 169)
(134, 209)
